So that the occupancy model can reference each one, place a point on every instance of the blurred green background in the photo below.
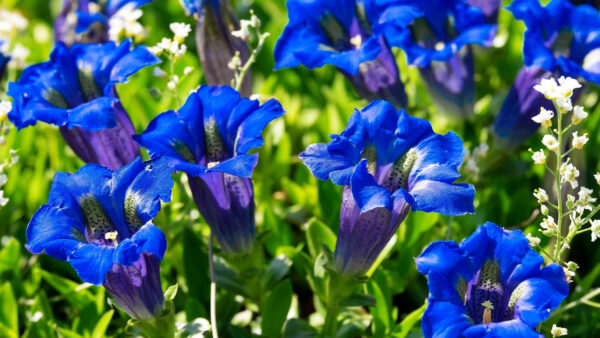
(43, 297)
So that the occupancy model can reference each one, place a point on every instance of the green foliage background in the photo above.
(43, 297)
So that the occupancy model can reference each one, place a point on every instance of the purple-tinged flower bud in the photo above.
(216, 45)
(489, 8)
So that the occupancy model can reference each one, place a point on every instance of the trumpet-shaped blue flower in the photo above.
(390, 162)
(491, 285)
(561, 40)
(438, 45)
(92, 22)
(351, 35)
(216, 46)
(209, 139)
(76, 91)
(100, 221)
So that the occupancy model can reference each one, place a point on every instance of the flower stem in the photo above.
(213, 289)
(239, 76)
(556, 174)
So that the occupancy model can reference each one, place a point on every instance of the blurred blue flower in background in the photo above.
(87, 21)
(100, 221)
(438, 45)
(209, 138)
(75, 90)
(388, 162)
(3, 62)
(561, 40)
(490, 285)
(351, 35)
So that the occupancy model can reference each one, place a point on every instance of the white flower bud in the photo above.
(550, 142)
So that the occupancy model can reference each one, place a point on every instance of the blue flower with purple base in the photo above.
(351, 35)
(491, 285)
(438, 44)
(85, 208)
(209, 138)
(561, 40)
(75, 90)
(389, 163)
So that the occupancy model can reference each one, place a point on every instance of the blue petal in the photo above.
(94, 115)
(511, 328)
(148, 238)
(53, 231)
(444, 262)
(444, 320)
(152, 184)
(324, 164)
(86, 19)
(112, 6)
(252, 124)
(92, 262)
(241, 165)
(443, 198)
(367, 193)
(542, 293)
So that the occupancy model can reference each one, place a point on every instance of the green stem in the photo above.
(171, 75)
(239, 76)
(559, 203)
(213, 289)
(331, 323)
(159, 327)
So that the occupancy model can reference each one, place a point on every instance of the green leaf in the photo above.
(102, 325)
(358, 300)
(276, 309)
(276, 270)
(383, 255)
(171, 292)
(381, 312)
(199, 327)
(296, 328)
(195, 266)
(319, 234)
(405, 326)
(9, 256)
(9, 318)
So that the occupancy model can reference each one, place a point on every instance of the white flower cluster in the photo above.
(5, 108)
(470, 160)
(124, 24)
(11, 23)
(175, 46)
(244, 31)
(558, 331)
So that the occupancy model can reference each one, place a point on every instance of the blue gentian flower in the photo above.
(351, 35)
(490, 285)
(100, 221)
(209, 138)
(561, 40)
(438, 45)
(389, 162)
(75, 90)
(92, 21)
(216, 46)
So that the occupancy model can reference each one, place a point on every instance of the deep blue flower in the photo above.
(83, 207)
(438, 45)
(76, 91)
(561, 40)
(209, 139)
(92, 21)
(389, 162)
(490, 285)
(216, 46)
(351, 35)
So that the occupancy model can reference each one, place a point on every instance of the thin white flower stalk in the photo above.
(577, 210)
(244, 33)
(174, 49)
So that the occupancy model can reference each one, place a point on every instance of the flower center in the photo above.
(184, 151)
(214, 146)
(400, 172)
(97, 222)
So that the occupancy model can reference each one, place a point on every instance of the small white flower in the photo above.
(188, 70)
(5, 108)
(175, 79)
(481, 150)
(18, 56)
(164, 44)
(564, 104)
(568, 173)
(541, 195)
(539, 157)
(549, 88)
(544, 117)
(584, 200)
(548, 223)
(3, 179)
(597, 177)
(595, 227)
(180, 30)
(567, 85)
(544, 210)
(533, 241)
(550, 142)
(578, 115)
(124, 23)
(579, 141)
(244, 31)
(158, 72)
(471, 166)
(171, 85)
(3, 200)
